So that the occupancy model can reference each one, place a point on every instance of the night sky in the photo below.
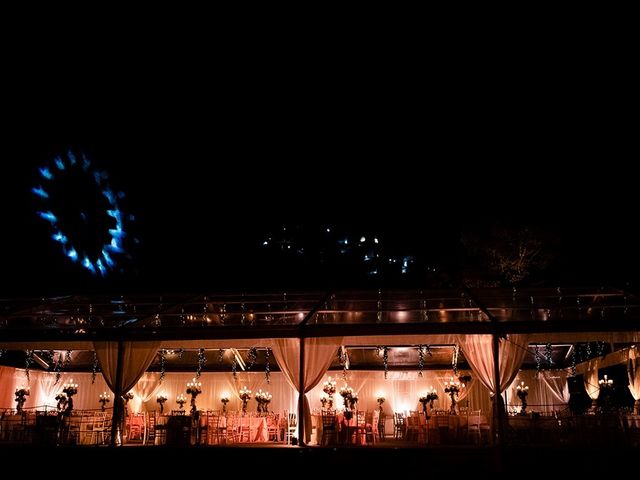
(210, 172)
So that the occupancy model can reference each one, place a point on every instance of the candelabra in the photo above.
(245, 396)
(605, 397)
(605, 383)
(161, 399)
(70, 389)
(194, 389)
(329, 387)
(21, 394)
(380, 401)
(224, 399)
(453, 389)
(104, 399)
(522, 392)
(181, 400)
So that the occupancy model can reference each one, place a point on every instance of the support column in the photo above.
(498, 418)
(301, 395)
(118, 407)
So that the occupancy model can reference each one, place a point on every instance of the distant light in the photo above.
(367, 258)
(59, 237)
(328, 230)
(363, 239)
(40, 192)
(375, 240)
(289, 246)
(46, 173)
(72, 254)
(48, 216)
(266, 242)
(373, 272)
(59, 163)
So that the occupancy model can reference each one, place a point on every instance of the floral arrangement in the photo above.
(181, 400)
(350, 397)
(224, 399)
(161, 399)
(21, 393)
(329, 387)
(263, 399)
(61, 398)
(127, 396)
(245, 394)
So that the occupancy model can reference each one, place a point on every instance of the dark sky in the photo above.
(208, 169)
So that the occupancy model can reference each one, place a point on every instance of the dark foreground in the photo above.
(248, 462)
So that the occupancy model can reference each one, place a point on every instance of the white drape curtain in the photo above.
(548, 391)
(7, 387)
(137, 358)
(44, 388)
(478, 351)
(401, 390)
(633, 371)
(318, 355)
(145, 390)
(591, 384)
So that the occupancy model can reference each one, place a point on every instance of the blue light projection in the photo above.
(105, 261)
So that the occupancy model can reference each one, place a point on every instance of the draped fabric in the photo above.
(145, 390)
(318, 355)
(137, 358)
(548, 391)
(7, 386)
(633, 371)
(478, 351)
(591, 384)
(400, 390)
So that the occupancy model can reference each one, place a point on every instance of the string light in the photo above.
(67, 358)
(221, 355)
(27, 364)
(454, 360)
(57, 368)
(600, 348)
(234, 368)
(2, 351)
(420, 360)
(163, 365)
(267, 371)
(548, 354)
(573, 361)
(202, 360)
(94, 368)
(252, 357)
(536, 355)
(385, 361)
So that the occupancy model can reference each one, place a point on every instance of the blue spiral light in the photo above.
(105, 261)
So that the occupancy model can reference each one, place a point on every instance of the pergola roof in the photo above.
(318, 314)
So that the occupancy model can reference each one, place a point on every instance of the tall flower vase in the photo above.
(244, 405)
